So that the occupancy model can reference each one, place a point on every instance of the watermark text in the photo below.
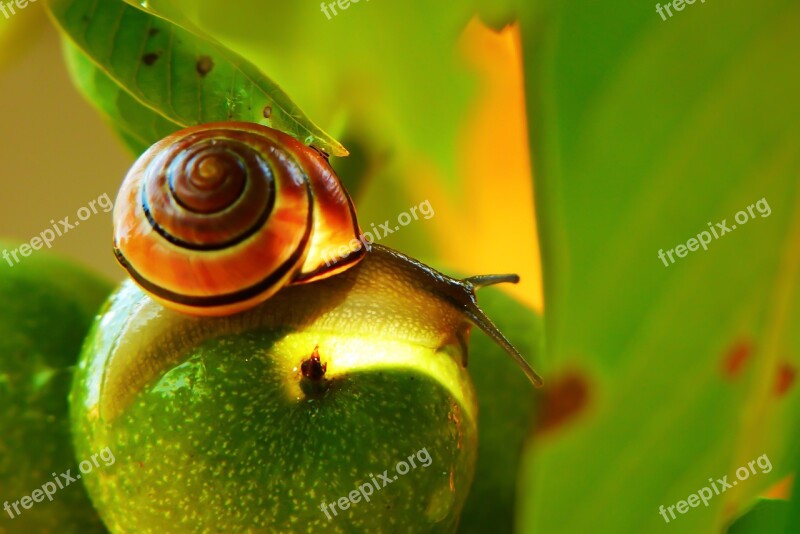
(332, 255)
(718, 230)
(47, 236)
(330, 7)
(59, 482)
(365, 490)
(678, 5)
(720, 486)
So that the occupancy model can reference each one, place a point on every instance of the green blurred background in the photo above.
(56, 152)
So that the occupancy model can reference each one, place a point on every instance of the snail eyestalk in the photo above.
(492, 279)
(476, 315)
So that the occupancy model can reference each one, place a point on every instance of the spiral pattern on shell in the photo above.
(215, 219)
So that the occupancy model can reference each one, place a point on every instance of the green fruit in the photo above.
(47, 308)
(232, 425)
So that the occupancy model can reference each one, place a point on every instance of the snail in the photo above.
(254, 372)
(215, 219)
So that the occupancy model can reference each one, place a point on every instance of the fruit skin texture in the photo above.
(215, 430)
(47, 307)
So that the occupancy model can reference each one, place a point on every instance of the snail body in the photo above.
(215, 219)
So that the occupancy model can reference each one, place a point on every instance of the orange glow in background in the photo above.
(493, 229)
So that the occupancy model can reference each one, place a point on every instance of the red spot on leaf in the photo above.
(561, 400)
(735, 359)
(784, 379)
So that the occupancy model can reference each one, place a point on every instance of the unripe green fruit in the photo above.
(47, 308)
(214, 428)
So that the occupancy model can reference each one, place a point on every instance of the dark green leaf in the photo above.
(174, 73)
(768, 515)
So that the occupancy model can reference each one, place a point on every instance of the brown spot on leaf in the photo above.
(153, 31)
(784, 379)
(560, 401)
(150, 58)
(267, 112)
(204, 65)
(735, 359)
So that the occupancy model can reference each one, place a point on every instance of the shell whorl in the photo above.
(216, 218)
(197, 178)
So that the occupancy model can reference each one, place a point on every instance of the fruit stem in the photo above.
(313, 382)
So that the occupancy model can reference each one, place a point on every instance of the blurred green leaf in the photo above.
(174, 73)
(19, 31)
(49, 305)
(768, 515)
(643, 131)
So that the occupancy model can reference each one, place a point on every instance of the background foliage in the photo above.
(641, 131)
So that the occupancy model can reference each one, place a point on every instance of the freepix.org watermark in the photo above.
(47, 236)
(379, 232)
(717, 230)
(678, 5)
(10, 8)
(720, 486)
(59, 482)
(330, 7)
(365, 490)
